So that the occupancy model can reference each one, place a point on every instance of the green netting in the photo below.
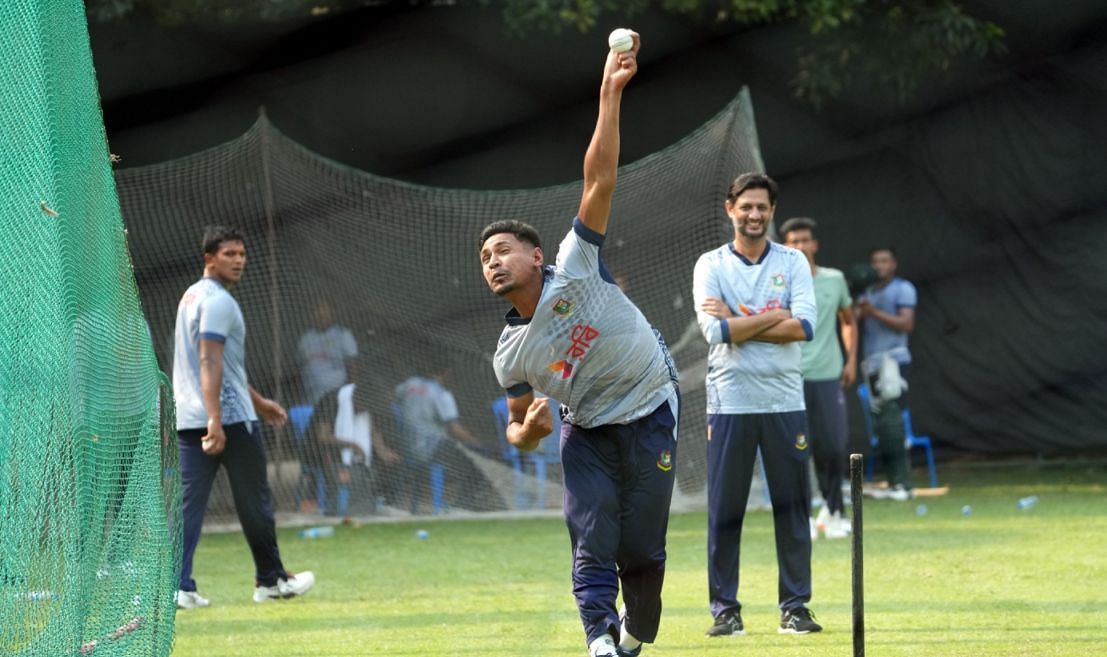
(89, 489)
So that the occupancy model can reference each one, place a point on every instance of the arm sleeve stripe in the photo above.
(518, 390)
(586, 233)
(808, 332)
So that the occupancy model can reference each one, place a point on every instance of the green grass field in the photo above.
(999, 581)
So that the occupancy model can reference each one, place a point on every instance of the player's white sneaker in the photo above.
(837, 526)
(191, 600)
(603, 646)
(295, 585)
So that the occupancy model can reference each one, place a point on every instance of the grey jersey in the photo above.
(878, 339)
(426, 407)
(207, 311)
(587, 345)
(754, 377)
(323, 356)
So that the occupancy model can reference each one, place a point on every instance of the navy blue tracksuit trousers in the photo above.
(244, 458)
(731, 450)
(618, 486)
(829, 433)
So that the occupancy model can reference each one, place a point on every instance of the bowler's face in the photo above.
(509, 263)
(751, 213)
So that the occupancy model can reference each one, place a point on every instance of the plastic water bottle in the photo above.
(317, 532)
(1027, 502)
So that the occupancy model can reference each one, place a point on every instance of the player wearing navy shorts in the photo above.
(574, 336)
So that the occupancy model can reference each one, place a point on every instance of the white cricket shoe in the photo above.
(191, 600)
(603, 646)
(837, 526)
(295, 585)
(901, 494)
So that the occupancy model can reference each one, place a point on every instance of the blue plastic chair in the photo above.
(913, 441)
(547, 453)
(300, 417)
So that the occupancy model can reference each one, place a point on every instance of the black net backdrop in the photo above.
(997, 210)
(399, 261)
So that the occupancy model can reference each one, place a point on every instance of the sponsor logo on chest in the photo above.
(581, 339)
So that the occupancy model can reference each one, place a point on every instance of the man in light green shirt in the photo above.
(826, 371)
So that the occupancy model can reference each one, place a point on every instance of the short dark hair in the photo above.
(798, 223)
(883, 248)
(214, 236)
(753, 180)
(524, 232)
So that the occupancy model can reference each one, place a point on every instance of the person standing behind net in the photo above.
(429, 419)
(825, 375)
(574, 336)
(755, 302)
(344, 432)
(217, 421)
(887, 314)
(327, 351)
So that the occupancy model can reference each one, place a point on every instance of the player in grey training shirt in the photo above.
(574, 336)
(755, 302)
(217, 423)
(886, 312)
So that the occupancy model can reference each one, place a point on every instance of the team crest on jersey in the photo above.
(801, 442)
(564, 307)
(778, 280)
(665, 460)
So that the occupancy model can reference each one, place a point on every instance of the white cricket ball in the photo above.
(621, 40)
(422, 534)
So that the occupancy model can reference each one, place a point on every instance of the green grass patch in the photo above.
(997, 581)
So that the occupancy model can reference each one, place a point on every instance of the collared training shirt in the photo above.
(822, 356)
(754, 377)
(587, 344)
(207, 311)
(876, 338)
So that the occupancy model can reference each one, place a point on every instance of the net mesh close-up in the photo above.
(89, 486)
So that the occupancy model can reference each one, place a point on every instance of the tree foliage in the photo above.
(890, 44)
(177, 12)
